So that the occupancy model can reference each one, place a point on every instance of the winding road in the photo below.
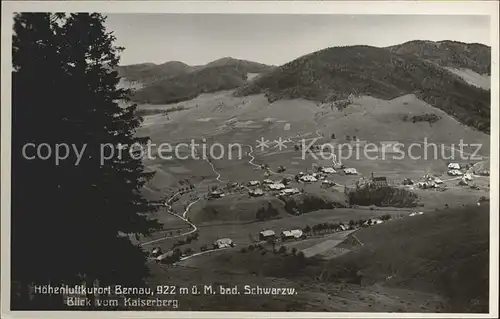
(183, 218)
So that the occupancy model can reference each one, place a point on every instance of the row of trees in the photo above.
(265, 213)
(67, 217)
(282, 250)
(322, 228)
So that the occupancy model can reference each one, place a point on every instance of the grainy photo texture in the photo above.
(250, 162)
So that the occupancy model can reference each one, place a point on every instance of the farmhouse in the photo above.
(223, 243)
(454, 166)
(216, 194)
(267, 234)
(290, 191)
(438, 181)
(308, 178)
(277, 186)
(291, 234)
(350, 171)
(328, 170)
(454, 172)
(256, 192)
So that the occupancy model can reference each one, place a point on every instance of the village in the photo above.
(289, 185)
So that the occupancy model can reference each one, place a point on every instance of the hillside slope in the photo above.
(473, 56)
(335, 73)
(150, 72)
(445, 252)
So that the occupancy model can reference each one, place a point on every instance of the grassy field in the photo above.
(415, 264)
(446, 251)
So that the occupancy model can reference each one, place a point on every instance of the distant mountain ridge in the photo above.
(148, 73)
(189, 85)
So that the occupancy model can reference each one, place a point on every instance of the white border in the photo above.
(490, 8)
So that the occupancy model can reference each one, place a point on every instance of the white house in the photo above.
(308, 178)
(277, 186)
(454, 172)
(223, 243)
(437, 180)
(454, 166)
(350, 171)
(291, 234)
(290, 191)
(268, 181)
(266, 234)
(328, 170)
(256, 192)
(253, 183)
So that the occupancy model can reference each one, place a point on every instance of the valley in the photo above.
(364, 235)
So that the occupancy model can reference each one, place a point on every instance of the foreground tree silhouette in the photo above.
(69, 220)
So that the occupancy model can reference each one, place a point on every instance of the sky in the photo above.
(197, 39)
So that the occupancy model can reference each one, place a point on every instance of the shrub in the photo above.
(243, 250)
(386, 217)
(427, 117)
(282, 250)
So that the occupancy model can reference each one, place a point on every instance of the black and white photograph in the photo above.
(316, 161)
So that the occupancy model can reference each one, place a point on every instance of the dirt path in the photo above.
(183, 218)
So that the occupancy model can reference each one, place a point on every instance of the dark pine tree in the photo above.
(70, 221)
